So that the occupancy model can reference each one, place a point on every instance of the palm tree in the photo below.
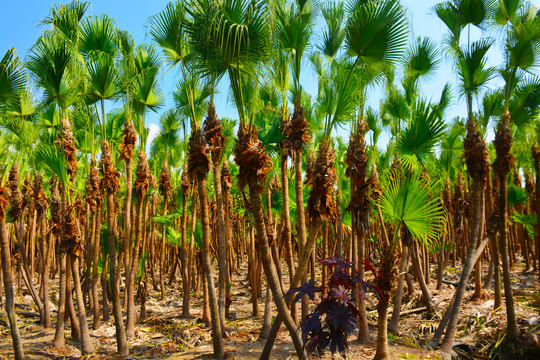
(12, 79)
(408, 204)
(521, 54)
(473, 75)
(227, 40)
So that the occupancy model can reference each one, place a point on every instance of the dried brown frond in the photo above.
(275, 184)
(374, 183)
(15, 196)
(321, 202)
(503, 143)
(129, 139)
(198, 158)
(213, 132)
(517, 178)
(79, 208)
(458, 204)
(41, 203)
(165, 181)
(285, 127)
(299, 128)
(384, 282)
(226, 178)
(72, 239)
(447, 196)
(94, 193)
(529, 183)
(27, 193)
(250, 156)
(110, 176)
(186, 183)
(475, 153)
(4, 195)
(144, 175)
(66, 143)
(356, 161)
(56, 207)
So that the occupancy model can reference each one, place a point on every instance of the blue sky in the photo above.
(19, 28)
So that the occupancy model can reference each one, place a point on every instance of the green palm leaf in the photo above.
(416, 144)
(409, 201)
(167, 30)
(376, 31)
(12, 76)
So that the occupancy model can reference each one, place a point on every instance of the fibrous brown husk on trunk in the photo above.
(213, 131)
(475, 153)
(15, 196)
(72, 242)
(66, 142)
(298, 128)
(94, 194)
(165, 181)
(56, 208)
(503, 143)
(226, 178)
(250, 156)
(144, 176)
(129, 139)
(198, 157)
(41, 203)
(322, 180)
(110, 176)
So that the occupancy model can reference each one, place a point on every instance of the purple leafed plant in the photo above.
(336, 316)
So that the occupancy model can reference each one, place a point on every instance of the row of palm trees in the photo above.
(87, 228)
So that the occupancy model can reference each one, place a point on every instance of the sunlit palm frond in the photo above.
(416, 144)
(376, 31)
(409, 201)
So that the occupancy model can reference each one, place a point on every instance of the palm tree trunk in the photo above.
(45, 251)
(127, 217)
(207, 264)
(512, 328)
(5, 255)
(121, 340)
(403, 268)
(300, 216)
(59, 337)
(86, 343)
(287, 227)
(269, 268)
(186, 279)
(222, 243)
(478, 217)
(303, 260)
(96, 324)
(130, 281)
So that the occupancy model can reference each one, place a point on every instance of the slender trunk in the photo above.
(300, 217)
(121, 340)
(222, 243)
(45, 251)
(5, 255)
(186, 279)
(403, 268)
(269, 268)
(96, 324)
(127, 220)
(478, 216)
(86, 343)
(287, 241)
(303, 260)
(59, 337)
(207, 264)
(382, 352)
(134, 264)
(512, 328)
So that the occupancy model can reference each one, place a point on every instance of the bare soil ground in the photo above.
(165, 335)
